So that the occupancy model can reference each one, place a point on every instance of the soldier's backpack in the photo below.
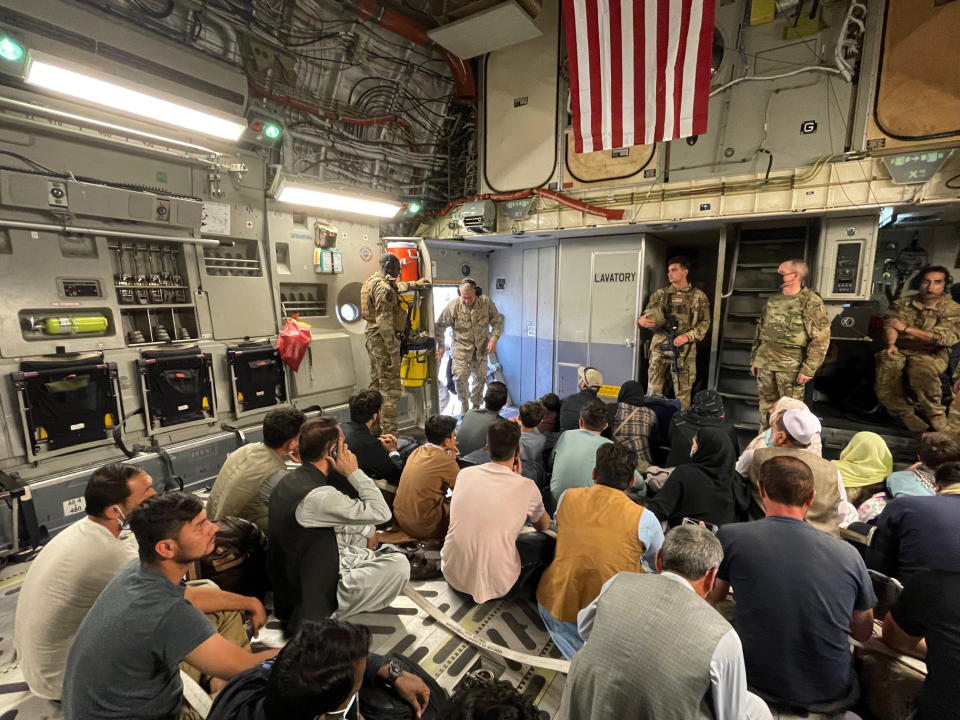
(238, 563)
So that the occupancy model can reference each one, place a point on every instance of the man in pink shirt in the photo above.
(485, 554)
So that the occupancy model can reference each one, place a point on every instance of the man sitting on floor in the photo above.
(420, 508)
(236, 491)
(654, 649)
(323, 518)
(125, 659)
(485, 554)
(319, 674)
(589, 381)
(533, 443)
(916, 532)
(378, 457)
(799, 594)
(472, 434)
(600, 532)
(70, 573)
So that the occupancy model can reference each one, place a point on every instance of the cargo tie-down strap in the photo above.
(545, 663)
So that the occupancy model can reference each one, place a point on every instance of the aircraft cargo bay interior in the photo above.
(479, 359)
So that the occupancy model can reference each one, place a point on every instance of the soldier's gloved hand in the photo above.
(680, 340)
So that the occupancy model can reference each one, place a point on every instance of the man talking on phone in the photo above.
(323, 518)
(486, 553)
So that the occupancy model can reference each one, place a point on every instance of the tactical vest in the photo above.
(783, 319)
(597, 539)
(368, 306)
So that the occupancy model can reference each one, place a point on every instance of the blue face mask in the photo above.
(766, 438)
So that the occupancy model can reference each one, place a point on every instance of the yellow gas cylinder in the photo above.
(75, 324)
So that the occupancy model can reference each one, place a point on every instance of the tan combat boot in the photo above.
(913, 423)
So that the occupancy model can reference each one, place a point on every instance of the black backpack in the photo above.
(238, 563)
(378, 702)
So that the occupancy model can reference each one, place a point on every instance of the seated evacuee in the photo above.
(925, 622)
(918, 479)
(575, 454)
(600, 532)
(533, 443)
(706, 411)
(320, 673)
(236, 491)
(763, 437)
(550, 423)
(485, 554)
(69, 574)
(472, 433)
(799, 594)
(377, 457)
(864, 465)
(633, 424)
(702, 489)
(654, 649)
(323, 518)
(920, 532)
(479, 698)
(789, 434)
(589, 381)
(420, 508)
(125, 661)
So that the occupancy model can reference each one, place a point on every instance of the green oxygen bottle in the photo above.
(75, 324)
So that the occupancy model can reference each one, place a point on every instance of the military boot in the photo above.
(939, 423)
(913, 423)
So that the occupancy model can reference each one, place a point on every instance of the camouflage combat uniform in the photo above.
(691, 308)
(922, 361)
(473, 327)
(791, 338)
(386, 319)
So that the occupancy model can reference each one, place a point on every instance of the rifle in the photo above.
(667, 348)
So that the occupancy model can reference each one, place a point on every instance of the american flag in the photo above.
(639, 70)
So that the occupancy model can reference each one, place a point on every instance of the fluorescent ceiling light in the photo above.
(301, 195)
(56, 78)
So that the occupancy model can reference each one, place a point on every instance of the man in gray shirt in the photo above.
(472, 433)
(124, 663)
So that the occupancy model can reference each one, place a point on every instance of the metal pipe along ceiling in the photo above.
(74, 230)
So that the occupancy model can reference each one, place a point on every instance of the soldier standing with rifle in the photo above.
(679, 315)
(386, 322)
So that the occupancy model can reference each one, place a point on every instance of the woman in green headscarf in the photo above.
(864, 465)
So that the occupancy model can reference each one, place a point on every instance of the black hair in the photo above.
(531, 413)
(937, 448)
(948, 474)
(281, 425)
(162, 517)
(390, 264)
(551, 401)
(317, 438)
(615, 465)
(679, 260)
(315, 672)
(364, 404)
(786, 480)
(495, 397)
(108, 486)
(927, 269)
(594, 415)
(503, 439)
(438, 428)
(482, 699)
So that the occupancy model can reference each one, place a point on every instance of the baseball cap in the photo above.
(590, 376)
(801, 424)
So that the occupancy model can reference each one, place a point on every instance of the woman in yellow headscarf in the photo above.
(864, 465)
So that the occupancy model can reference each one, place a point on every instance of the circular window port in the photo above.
(348, 307)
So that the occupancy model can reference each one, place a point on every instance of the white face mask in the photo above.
(122, 520)
(340, 713)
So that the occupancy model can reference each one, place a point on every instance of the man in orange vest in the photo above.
(600, 532)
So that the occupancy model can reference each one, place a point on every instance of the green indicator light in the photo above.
(10, 50)
(271, 131)
(413, 208)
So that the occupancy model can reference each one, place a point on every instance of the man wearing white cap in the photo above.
(589, 381)
(790, 434)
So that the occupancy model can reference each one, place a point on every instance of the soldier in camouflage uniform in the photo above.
(919, 330)
(791, 339)
(690, 308)
(477, 325)
(386, 320)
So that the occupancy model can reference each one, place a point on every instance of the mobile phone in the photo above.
(710, 526)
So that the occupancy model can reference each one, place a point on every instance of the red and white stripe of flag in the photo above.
(639, 70)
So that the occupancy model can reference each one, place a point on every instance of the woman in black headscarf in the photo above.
(706, 410)
(702, 489)
(631, 423)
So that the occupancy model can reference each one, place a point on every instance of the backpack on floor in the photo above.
(378, 702)
(238, 563)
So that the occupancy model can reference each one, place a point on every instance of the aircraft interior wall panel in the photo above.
(797, 119)
(515, 301)
(450, 263)
(520, 110)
